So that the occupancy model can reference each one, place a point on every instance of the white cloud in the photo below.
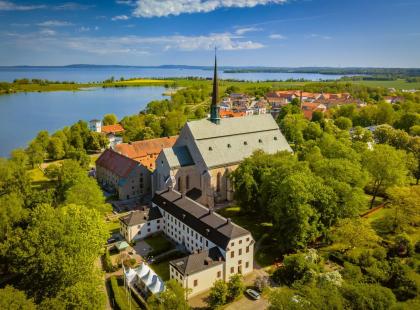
(159, 8)
(134, 45)
(126, 2)
(54, 23)
(47, 32)
(242, 31)
(318, 36)
(276, 36)
(73, 6)
(10, 6)
(120, 17)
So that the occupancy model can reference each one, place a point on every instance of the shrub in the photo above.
(235, 286)
(107, 263)
(351, 272)
(119, 299)
(261, 282)
(296, 268)
(218, 294)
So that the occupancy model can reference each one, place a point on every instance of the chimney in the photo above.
(228, 221)
(211, 211)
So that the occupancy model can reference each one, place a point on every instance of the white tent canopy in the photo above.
(147, 276)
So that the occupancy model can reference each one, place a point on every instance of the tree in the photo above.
(11, 213)
(109, 119)
(11, 298)
(368, 296)
(352, 233)
(57, 250)
(86, 192)
(386, 166)
(343, 123)
(297, 267)
(36, 153)
(405, 208)
(218, 294)
(235, 286)
(55, 148)
(172, 298)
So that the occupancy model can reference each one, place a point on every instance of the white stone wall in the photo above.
(242, 259)
(198, 282)
(141, 231)
(182, 234)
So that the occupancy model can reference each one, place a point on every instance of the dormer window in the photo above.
(229, 146)
(210, 148)
(245, 143)
(259, 140)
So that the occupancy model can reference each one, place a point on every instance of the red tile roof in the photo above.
(227, 113)
(112, 128)
(145, 151)
(116, 163)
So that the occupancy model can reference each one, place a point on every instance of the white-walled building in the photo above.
(219, 248)
(141, 224)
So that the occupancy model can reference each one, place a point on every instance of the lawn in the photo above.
(256, 227)
(162, 267)
(159, 244)
(112, 226)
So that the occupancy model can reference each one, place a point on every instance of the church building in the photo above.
(208, 150)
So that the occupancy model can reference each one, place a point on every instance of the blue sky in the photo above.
(379, 33)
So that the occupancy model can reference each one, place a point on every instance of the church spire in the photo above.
(215, 108)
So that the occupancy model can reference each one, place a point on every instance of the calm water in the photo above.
(23, 115)
(102, 73)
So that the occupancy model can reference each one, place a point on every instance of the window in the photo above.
(240, 241)
(259, 140)
(232, 244)
(148, 229)
(245, 143)
(246, 264)
(210, 148)
(247, 249)
(219, 274)
(158, 221)
(232, 269)
(195, 282)
(232, 254)
(201, 239)
(179, 183)
(139, 226)
(187, 182)
(247, 239)
(219, 181)
(240, 252)
(207, 243)
(275, 138)
(229, 146)
(240, 262)
(148, 223)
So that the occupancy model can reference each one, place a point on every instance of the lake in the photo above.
(98, 74)
(23, 115)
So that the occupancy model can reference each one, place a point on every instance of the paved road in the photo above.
(246, 303)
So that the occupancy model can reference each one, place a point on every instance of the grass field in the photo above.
(159, 243)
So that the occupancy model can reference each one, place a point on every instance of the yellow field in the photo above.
(142, 81)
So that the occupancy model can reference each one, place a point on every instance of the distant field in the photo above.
(401, 84)
(142, 81)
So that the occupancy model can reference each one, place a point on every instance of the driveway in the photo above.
(246, 303)
(142, 248)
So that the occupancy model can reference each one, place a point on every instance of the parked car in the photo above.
(253, 294)
(111, 240)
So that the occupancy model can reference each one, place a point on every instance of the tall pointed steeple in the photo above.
(215, 108)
